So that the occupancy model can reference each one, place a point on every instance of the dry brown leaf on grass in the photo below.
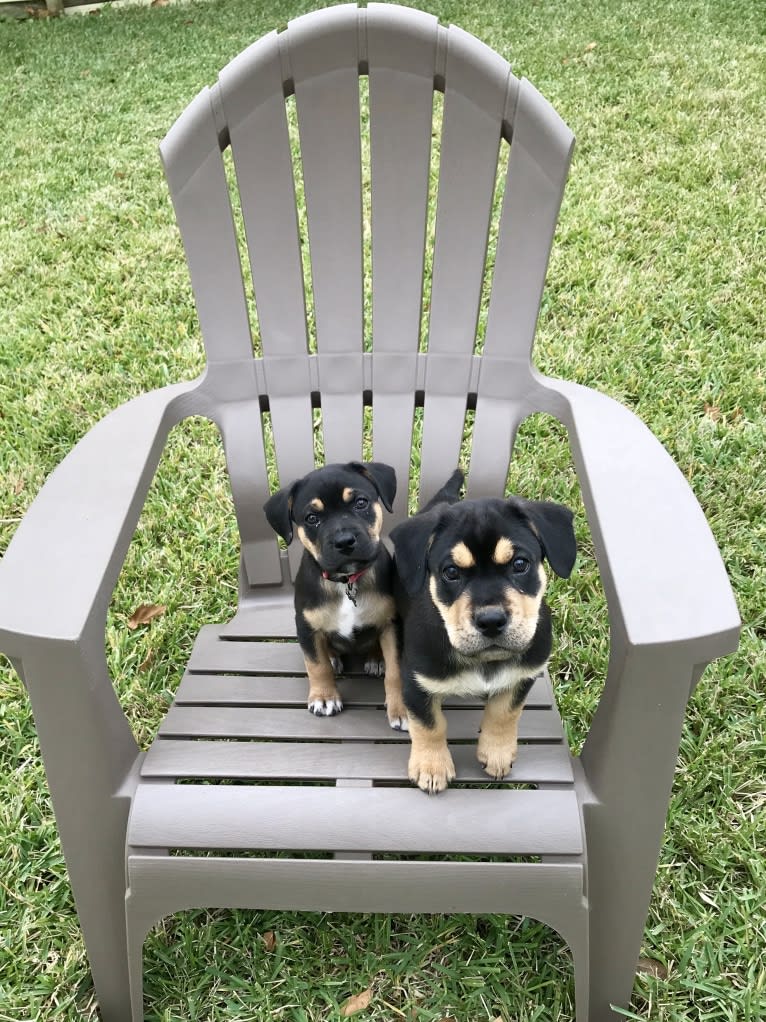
(269, 940)
(356, 1003)
(589, 47)
(144, 614)
(713, 412)
(651, 968)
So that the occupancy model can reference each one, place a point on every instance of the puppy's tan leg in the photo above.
(324, 698)
(430, 766)
(392, 681)
(498, 739)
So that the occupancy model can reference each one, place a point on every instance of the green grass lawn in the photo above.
(656, 294)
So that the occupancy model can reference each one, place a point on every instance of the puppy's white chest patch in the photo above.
(349, 617)
(474, 682)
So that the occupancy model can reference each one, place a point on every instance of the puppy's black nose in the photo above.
(344, 540)
(490, 620)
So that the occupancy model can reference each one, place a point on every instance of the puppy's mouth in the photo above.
(499, 647)
(495, 651)
(339, 565)
(490, 651)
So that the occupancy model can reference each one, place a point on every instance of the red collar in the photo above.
(350, 580)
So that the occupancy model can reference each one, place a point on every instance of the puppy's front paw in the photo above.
(496, 757)
(399, 723)
(397, 714)
(326, 707)
(431, 769)
(375, 667)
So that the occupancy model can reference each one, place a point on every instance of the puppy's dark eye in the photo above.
(312, 518)
(520, 565)
(361, 504)
(450, 573)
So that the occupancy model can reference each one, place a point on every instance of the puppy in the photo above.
(469, 585)
(343, 590)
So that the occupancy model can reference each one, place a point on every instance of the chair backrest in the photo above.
(447, 367)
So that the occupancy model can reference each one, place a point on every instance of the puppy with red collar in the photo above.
(343, 590)
(469, 587)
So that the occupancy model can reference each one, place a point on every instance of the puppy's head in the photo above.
(337, 513)
(482, 564)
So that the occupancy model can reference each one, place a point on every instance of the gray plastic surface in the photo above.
(578, 851)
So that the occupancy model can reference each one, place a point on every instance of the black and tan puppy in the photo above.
(343, 590)
(469, 586)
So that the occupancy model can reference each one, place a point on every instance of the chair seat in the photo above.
(240, 765)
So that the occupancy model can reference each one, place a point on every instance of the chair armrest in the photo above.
(60, 568)
(662, 572)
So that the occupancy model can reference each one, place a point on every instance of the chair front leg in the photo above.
(90, 758)
(629, 760)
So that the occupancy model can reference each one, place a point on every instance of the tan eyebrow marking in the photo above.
(503, 551)
(317, 504)
(462, 556)
(348, 494)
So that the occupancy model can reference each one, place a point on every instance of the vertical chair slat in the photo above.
(252, 96)
(494, 430)
(401, 52)
(541, 148)
(476, 81)
(191, 155)
(324, 63)
(241, 428)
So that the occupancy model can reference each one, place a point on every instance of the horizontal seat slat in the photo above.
(356, 724)
(285, 691)
(213, 655)
(265, 621)
(460, 821)
(541, 764)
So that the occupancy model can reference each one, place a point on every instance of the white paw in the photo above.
(376, 668)
(325, 707)
(399, 723)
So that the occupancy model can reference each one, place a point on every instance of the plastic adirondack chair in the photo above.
(579, 851)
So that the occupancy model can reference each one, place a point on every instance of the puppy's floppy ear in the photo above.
(278, 509)
(411, 541)
(382, 477)
(553, 525)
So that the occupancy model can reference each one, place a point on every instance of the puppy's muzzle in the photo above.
(344, 541)
(347, 550)
(490, 621)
